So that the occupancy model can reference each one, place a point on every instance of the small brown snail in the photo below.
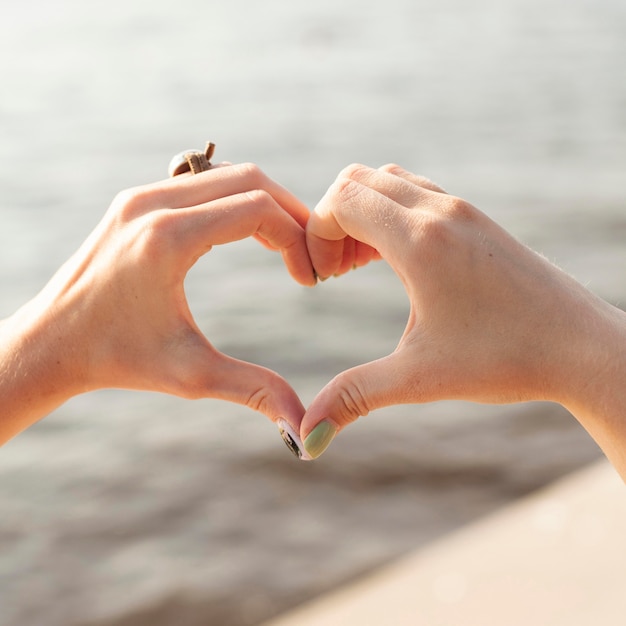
(192, 161)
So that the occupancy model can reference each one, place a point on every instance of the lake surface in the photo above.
(129, 509)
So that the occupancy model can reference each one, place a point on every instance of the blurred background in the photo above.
(129, 509)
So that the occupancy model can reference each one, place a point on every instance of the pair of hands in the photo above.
(490, 320)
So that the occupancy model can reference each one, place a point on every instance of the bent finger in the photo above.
(239, 216)
(218, 182)
(397, 188)
(350, 208)
(415, 179)
(364, 254)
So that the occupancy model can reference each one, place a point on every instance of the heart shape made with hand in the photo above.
(468, 283)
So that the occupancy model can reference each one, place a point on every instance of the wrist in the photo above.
(38, 368)
(595, 392)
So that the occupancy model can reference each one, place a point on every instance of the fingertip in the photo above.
(326, 254)
(348, 260)
(299, 265)
(327, 407)
(292, 440)
(318, 440)
(364, 253)
(352, 394)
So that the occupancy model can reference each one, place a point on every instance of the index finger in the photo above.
(236, 217)
(416, 179)
(219, 182)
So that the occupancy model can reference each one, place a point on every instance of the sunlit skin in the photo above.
(116, 314)
(490, 320)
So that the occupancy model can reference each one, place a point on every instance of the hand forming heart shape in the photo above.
(462, 274)
(116, 314)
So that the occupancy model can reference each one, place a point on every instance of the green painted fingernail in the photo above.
(319, 438)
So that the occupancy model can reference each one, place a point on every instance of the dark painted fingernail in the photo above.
(318, 277)
(319, 438)
(292, 440)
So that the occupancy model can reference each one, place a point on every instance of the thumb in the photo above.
(350, 395)
(259, 388)
(350, 212)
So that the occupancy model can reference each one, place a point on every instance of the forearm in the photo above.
(597, 390)
(36, 373)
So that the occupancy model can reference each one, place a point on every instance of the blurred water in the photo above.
(126, 508)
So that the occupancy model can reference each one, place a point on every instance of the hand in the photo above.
(490, 320)
(116, 315)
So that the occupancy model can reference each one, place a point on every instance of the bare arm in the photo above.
(116, 315)
(490, 321)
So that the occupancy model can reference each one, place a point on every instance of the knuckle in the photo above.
(252, 172)
(434, 236)
(430, 241)
(152, 237)
(346, 189)
(159, 227)
(259, 197)
(459, 209)
(392, 168)
(353, 171)
(438, 231)
(352, 401)
(259, 400)
(132, 202)
(427, 183)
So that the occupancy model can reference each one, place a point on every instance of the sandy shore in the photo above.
(555, 557)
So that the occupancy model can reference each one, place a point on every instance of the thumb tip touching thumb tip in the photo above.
(315, 443)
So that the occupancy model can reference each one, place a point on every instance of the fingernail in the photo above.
(292, 440)
(319, 438)
(319, 278)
